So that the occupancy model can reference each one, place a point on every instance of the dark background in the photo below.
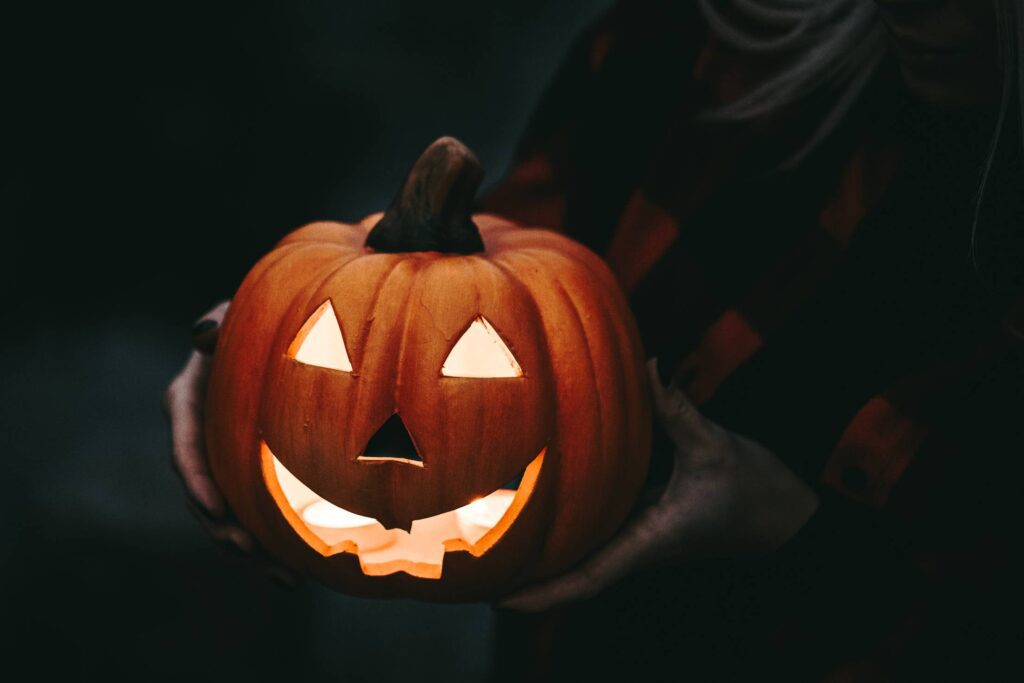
(151, 153)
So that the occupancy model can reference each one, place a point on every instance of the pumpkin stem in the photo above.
(431, 212)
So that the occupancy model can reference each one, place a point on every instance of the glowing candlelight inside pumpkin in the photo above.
(487, 511)
(330, 516)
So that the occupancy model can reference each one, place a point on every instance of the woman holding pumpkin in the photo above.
(817, 219)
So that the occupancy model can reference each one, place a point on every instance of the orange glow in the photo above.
(390, 458)
(481, 352)
(329, 516)
(329, 529)
(320, 342)
(486, 512)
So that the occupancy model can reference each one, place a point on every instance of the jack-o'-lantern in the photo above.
(428, 403)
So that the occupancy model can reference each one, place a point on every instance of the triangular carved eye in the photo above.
(480, 352)
(320, 341)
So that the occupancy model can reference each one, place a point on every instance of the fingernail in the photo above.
(244, 542)
(203, 326)
(209, 499)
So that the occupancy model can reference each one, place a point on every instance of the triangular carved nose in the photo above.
(392, 443)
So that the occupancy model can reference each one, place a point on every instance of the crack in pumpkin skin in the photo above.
(418, 552)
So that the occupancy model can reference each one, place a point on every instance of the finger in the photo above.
(226, 533)
(183, 404)
(207, 328)
(676, 413)
(238, 541)
(634, 546)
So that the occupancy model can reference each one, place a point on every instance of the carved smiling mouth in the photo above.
(330, 530)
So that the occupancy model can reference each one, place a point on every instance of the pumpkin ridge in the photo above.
(500, 280)
(419, 267)
(602, 438)
(309, 293)
(269, 262)
(500, 262)
(397, 263)
(512, 280)
(627, 339)
(355, 262)
(623, 338)
(553, 280)
(297, 237)
(273, 260)
(481, 435)
(517, 282)
(315, 298)
(438, 405)
(621, 344)
(367, 326)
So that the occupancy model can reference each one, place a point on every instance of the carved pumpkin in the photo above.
(428, 404)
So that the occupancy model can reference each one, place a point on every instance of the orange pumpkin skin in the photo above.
(581, 400)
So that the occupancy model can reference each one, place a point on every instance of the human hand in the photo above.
(183, 405)
(727, 497)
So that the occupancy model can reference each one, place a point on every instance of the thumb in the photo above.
(676, 413)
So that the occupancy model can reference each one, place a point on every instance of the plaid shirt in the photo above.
(829, 312)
